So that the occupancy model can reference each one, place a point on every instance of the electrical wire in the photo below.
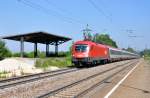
(64, 11)
(99, 10)
(48, 11)
(57, 7)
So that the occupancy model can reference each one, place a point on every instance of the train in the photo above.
(91, 53)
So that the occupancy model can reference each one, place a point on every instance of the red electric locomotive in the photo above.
(88, 52)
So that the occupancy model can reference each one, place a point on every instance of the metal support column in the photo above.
(35, 49)
(56, 48)
(22, 47)
(47, 50)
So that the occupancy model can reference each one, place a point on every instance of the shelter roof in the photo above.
(39, 37)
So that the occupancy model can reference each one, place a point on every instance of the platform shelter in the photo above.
(38, 37)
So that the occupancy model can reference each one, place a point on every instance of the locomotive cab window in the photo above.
(81, 48)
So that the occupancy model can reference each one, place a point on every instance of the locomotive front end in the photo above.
(80, 53)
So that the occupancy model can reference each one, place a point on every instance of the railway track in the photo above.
(59, 82)
(33, 77)
(81, 87)
(6, 83)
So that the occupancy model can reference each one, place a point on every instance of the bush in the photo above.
(17, 54)
(42, 55)
(30, 54)
(3, 74)
(4, 51)
(53, 61)
(7, 53)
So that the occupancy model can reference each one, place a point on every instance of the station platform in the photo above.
(135, 85)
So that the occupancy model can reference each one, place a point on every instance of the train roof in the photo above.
(89, 43)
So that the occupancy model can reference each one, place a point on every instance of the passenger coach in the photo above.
(88, 52)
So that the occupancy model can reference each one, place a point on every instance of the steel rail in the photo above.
(101, 82)
(33, 77)
(77, 82)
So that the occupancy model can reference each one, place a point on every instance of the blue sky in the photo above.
(69, 18)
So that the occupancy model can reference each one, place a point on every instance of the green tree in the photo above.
(145, 52)
(104, 39)
(130, 49)
(4, 51)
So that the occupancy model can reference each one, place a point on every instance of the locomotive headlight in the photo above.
(88, 48)
(87, 51)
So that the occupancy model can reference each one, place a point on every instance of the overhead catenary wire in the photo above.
(107, 15)
(40, 8)
(49, 11)
(58, 7)
(64, 11)
(102, 4)
(99, 10)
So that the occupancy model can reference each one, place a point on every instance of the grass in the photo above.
(60, 62)
(3, 74)
(147, 58)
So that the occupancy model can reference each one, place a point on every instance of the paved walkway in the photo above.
(137, 84)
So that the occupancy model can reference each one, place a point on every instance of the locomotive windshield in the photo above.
(81, 48)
